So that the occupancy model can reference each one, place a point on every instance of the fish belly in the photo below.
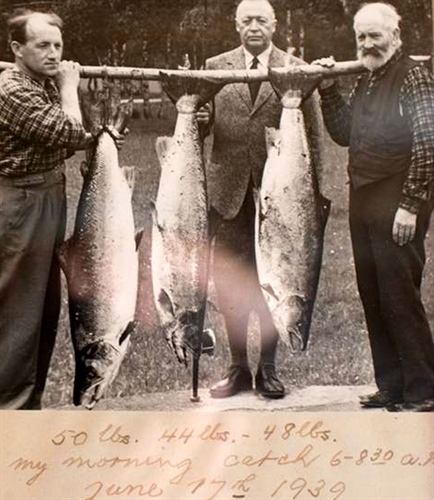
(104, 261)
(289, 236)
(180, 231)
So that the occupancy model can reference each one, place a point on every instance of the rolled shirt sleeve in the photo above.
(417, 101)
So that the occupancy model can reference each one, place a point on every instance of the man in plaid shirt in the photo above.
(40, 126)
(388, 124)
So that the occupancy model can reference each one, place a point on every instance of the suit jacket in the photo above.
(239, 150)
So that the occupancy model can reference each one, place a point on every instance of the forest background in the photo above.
(158, 33)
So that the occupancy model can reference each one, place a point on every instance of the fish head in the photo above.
(97, 364)
(291, 320)
(96, 367)
(184, 334)
(189, 92)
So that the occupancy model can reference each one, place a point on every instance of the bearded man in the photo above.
(388, 124)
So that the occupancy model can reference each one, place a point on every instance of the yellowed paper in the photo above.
(219, 455)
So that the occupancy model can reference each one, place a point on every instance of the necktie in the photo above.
(254, 86)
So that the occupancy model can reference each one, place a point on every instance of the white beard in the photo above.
(373, 62)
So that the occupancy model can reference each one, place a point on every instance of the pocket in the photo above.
(13, 202)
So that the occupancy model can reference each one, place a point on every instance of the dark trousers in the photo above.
(389, 279)
(32, 222)
(236, 282)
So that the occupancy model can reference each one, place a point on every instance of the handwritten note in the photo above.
(232, 455)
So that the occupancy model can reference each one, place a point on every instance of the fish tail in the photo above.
(131, 328)
(62, 253)
(193, 91)
(291, 86)
(103, 108)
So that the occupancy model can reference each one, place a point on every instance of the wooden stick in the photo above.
(219, 76)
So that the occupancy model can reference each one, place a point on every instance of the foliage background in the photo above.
(157, 33)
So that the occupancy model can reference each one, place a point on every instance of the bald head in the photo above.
(19, 21)
(264, 5)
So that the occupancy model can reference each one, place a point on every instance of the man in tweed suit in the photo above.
(239, 116)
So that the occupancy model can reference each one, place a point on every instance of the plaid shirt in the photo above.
(35, 134)
(417, 106)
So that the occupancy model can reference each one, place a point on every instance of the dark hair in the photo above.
(17, 23)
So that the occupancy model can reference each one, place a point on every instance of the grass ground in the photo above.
(338, 351)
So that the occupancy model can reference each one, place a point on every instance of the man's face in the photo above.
(376, 43)
(256, 25)
(40, 55)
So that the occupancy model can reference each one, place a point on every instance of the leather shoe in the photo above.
(425, 405)
(267, 383)
(380, 399)
(238, 378)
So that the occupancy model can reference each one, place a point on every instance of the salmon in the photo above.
(291, 216)
(180, 239)
(100, 262)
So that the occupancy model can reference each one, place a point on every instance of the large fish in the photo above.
(180, 247)
(100, 262)
(290, 220)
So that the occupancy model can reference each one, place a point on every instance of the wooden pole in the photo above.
(218, 76)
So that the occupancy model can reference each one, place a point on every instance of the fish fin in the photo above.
(272, 139)
(62, 253)
(325, 205)
(162, 146)
(258, 216)
(269, 289)
(256, 197)
(154, 215)
(131, 327)
(138, 237)
(130, 176)
(153, 210)
(212, 306)
(165, 303)
(84, 168)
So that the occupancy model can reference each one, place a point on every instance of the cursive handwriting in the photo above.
(304, 458)
(198, 459)
(127, 490)
(23, 465)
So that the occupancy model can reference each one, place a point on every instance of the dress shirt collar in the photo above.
(263, 58)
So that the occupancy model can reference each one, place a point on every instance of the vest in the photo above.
(381, 140)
